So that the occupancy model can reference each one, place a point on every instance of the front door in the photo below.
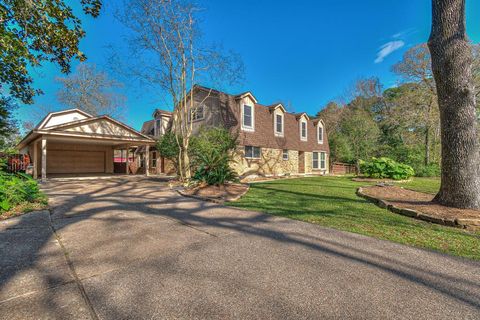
(301, 162)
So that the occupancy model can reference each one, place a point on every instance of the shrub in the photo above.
(432, 170)
(214, 168)
(386, 168)
(208, 142)
(209, 139)
(18, 188)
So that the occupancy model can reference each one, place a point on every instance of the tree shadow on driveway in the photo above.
(104, 226)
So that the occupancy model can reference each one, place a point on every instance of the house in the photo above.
(271, 140)
(73, 142)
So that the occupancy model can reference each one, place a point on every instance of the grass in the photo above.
(332, 202)
(427, 185)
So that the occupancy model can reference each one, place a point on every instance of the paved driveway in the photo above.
(133, 249)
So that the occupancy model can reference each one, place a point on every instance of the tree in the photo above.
(452, 69)
(173, 57)
(362, 132)
(92, 91)
(32, 32)
(8, 128)
(331, 116)
(36, 31)
(416, 67)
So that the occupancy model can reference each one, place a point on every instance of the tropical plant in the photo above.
(386, 168)
(214, 168)
(211, 138)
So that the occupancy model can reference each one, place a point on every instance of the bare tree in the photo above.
(452, 69)
(171, 56)
(92, 91)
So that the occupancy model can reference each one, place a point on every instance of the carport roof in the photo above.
(98, 128)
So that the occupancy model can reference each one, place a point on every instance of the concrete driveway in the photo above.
(133, 249)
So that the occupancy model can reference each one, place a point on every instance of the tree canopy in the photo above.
(401, 122)
(33, 32)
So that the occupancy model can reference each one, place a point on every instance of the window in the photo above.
(303, 130)
(252, 152)
(278, 124)
(198, 113)
(320, 133)
(158, 127)
(319, 160)
(315, 160)
(323, 160)
(154, 159)
(247, 117)
(285, 154)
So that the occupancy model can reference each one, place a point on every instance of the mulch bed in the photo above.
(228, 192)
(397, 198)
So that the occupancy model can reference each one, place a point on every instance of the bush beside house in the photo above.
(381, 168)
(210, 154)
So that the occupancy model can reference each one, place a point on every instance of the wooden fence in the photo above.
(339, 168)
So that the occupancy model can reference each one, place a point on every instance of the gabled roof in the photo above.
(246, 94)
(45, 120)
(147, 126)
(162, 112)
(101, 127)
(78, 123)
(302, 114)
(276, 106)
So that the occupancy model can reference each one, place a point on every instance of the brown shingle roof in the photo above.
(264, 135)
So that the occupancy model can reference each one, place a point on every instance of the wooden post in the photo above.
(147, 160)
(44, 159)
(126, 162)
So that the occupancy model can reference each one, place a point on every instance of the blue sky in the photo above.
(303, 53)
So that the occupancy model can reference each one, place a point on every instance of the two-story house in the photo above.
(271, 140)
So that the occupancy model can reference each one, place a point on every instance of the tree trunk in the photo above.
(452, 69)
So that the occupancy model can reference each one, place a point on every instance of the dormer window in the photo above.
(320, 133)
(248, 118)
(158, 127)
(198, 113)
(303, 130)
(279, 124)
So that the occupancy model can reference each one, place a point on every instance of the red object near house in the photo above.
(16, 162)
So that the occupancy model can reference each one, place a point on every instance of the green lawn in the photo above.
(427, 185)
(332, 202)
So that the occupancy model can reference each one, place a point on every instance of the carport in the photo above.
(74, 143)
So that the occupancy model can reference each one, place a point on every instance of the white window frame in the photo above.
(275, 122)
(285, 153)
(320, 127)
(253, 153)
(194, 113)
(248, 128)
(154, 159)
(324, 167)
(306, 130)
(313, 160)
(319, 160)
